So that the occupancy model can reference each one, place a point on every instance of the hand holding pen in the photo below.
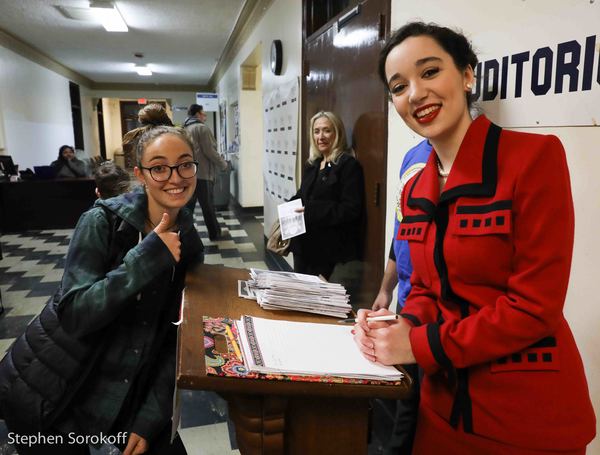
(384, 317)
(365, 330)
(386, 341)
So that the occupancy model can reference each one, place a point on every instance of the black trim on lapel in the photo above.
(462, 406)
(489, 170)
(424, 204)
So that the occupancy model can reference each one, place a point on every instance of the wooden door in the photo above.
(340, 75)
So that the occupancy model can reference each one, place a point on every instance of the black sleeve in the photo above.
(392, 254)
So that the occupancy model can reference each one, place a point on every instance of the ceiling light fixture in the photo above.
(143, 70)
(109, 16)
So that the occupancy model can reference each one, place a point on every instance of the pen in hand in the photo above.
(385, 317)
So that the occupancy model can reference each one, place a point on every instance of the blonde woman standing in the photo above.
(332, 193)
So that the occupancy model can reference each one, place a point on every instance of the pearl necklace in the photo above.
(440, 169)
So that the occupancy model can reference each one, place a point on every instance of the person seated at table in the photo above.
(111, 180)
(332, 193)
(68, 165)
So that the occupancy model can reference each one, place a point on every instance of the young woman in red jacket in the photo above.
(489, 222)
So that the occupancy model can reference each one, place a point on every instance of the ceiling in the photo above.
(182, 40)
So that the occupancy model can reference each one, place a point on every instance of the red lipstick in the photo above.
(427, 118)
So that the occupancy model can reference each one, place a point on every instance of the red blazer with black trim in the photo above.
(491, 257)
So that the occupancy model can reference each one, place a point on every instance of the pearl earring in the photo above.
(469, 86)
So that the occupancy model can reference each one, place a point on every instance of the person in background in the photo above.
(149, 116)
(398, 268)
(125, 307)
(489, 221)
(397, 273)
(67, 165)
(111, 180)
(209, 161)
(332, 193)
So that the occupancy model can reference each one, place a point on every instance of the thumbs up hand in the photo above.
(170, 239)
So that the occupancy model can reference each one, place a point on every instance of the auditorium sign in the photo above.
(550, 84)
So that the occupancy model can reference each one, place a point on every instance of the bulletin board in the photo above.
(281, 107)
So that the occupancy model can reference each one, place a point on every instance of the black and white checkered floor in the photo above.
(30, 273)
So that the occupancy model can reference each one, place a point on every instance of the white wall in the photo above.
(283, 20)
(582, 145)
(251, 153)
(89, 119)
(35, 111)
(111, 115)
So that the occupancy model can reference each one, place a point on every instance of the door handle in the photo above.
(382, 27)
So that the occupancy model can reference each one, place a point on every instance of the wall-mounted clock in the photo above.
(276, 57)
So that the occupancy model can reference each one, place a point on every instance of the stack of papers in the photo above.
(306, 349)
(296, 292)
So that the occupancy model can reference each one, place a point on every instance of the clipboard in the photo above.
(221, 358)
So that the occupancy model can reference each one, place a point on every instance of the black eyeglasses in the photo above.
(163, 172)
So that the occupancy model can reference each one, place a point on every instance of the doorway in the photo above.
(101, 137)
(340, 75)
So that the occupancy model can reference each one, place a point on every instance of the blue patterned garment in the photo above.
(414, 160)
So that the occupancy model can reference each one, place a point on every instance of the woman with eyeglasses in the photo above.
(121, 291)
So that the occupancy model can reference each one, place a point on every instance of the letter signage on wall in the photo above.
(540, 68)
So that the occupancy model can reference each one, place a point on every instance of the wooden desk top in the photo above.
(211, 290)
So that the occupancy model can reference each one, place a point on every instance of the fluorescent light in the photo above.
(143, 70)
(109, 16)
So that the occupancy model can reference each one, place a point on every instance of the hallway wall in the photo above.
(283, 20)
(36, 111)
(582, 145)
(251, 153)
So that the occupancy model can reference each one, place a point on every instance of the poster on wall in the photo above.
(235, 129)
(281, 136)
(223, 126)
(208, 101)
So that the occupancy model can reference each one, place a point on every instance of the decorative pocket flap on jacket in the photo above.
(541, 356)
(413, 228)
(487, 219)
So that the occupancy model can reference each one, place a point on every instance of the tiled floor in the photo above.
(31, 270)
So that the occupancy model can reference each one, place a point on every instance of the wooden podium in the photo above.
(272, 417)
